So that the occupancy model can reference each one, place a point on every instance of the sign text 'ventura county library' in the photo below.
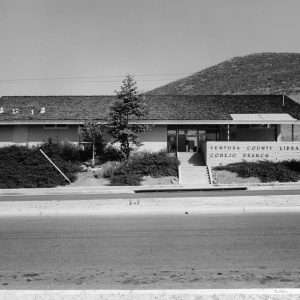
(223, 153)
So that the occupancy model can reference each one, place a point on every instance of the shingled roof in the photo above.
(160, 107)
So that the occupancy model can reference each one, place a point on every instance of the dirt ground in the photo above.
(226, 177)
(90, 178)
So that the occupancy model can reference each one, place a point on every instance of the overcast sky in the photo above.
(51, 47)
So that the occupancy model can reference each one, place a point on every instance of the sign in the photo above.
(223, 153)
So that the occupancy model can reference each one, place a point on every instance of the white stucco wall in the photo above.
(32, 135)
(6, 135)
(41, 134)
(223, 153)
(154, 140)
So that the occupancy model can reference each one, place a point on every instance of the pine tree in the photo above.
(129, 106)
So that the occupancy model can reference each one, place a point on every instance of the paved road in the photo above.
(188, 251)
(85, 196)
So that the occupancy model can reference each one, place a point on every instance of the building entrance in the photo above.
(186, 140)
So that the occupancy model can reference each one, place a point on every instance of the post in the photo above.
(78, 133)
(228, 132)
(55, 166)
(198, 141)
(279, 135)
(293, 129)
(176, 139)
(93, 155)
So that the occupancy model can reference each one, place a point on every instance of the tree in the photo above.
(91, 133)
(129, 106)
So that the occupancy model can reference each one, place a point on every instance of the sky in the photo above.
(86, 47)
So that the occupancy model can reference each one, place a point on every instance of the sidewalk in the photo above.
(152, 206)
(136, 189)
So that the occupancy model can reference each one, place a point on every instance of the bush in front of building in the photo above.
(293, 165)
(142, 164)
(65, 151)
(111, 153)
(266, 171)
(23, 167)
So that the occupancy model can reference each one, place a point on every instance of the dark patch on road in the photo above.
(31, 274)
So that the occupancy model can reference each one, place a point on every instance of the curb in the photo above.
(189, 189)
(144, 189)
(183, 294)
(67, 190)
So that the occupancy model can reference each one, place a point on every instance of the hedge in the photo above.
(23, 167)
(131, 172)
(266, 171)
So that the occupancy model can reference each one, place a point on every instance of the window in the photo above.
(56, 126)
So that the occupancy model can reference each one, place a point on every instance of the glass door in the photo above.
(172, 140)
(191, 140)
(182, 140)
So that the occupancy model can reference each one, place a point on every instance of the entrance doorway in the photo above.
(186, 140)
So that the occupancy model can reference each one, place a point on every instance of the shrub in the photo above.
(293, 165)
(266, 171)
(65, 151)
(111, 153)
(123, 178)
(154, 164)
(142, 164)
(22, 167)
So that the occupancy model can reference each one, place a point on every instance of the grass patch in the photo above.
(266, 171)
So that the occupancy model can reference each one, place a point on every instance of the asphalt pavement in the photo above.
(151, 252)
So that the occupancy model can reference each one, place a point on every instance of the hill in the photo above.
(261, 73)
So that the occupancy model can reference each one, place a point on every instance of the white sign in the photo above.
(223, 153)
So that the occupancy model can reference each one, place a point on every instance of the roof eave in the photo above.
(210, 122)
(151, 122)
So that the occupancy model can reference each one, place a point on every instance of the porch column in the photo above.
(78, 132)
(198, 146)
(293, 129)
(176, 140)
(279, 135)
(228, 132)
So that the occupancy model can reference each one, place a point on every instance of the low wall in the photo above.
(223, 153)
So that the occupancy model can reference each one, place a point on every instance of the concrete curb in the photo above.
(214, 294)
(266, 186)
(68, 190)
(131, 189)
(110, 190)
